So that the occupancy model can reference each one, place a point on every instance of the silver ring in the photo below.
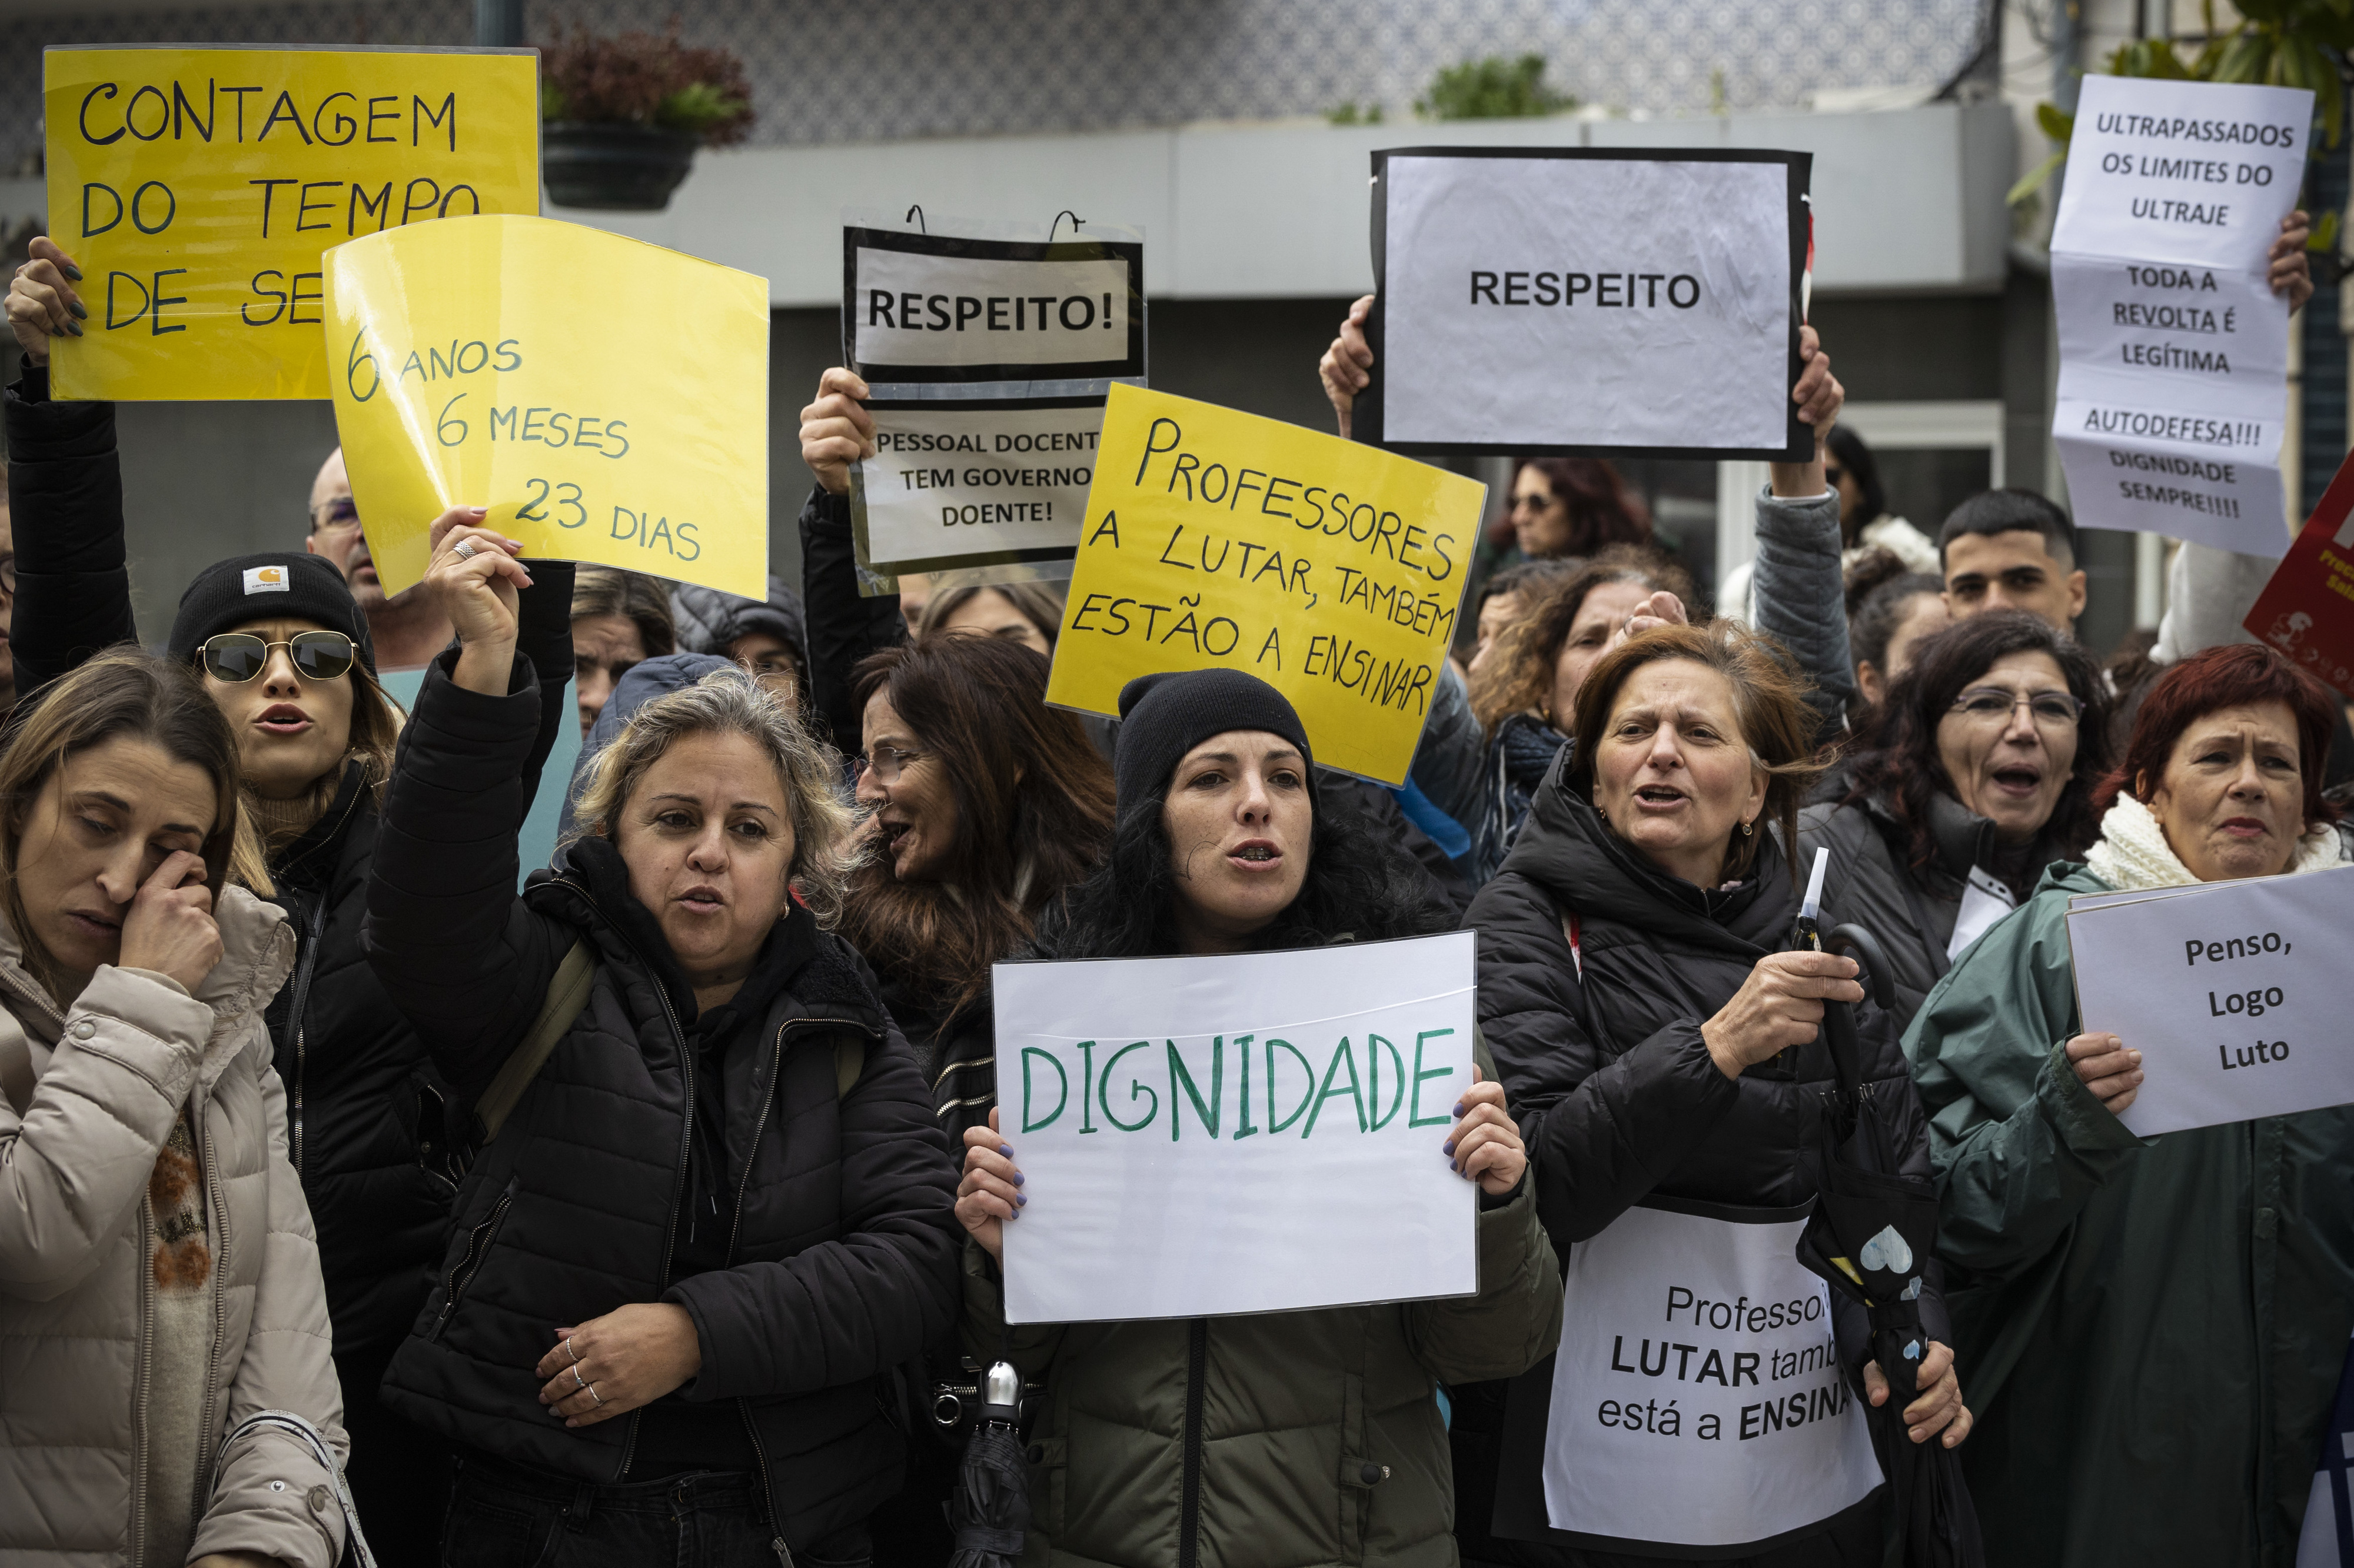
(465, 550)
(594, 1394)
(570, 1351)
(577, 1380)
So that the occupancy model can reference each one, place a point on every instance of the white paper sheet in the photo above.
(950, 485)
(1262, 1133)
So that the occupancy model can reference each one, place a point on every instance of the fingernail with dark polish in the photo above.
(1019, 1179)
(70, 270)
(74, 328)
(1448, 1148)
(1020, 1199)
(1006, 1150)
(75, 306)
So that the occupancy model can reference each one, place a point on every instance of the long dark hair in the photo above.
(1897, 757)
(1603, 508)
(1849, 450)
(1359, 885)
(1033, 802)
(1517, 676)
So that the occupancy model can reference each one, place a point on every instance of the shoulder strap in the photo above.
(568, 994)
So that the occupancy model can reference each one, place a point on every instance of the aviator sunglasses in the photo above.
(239, 656)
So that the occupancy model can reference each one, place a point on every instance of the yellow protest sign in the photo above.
(481, 362)
(1332, 571)
(197, 188)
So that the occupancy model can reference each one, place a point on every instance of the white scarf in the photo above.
(2133, 855)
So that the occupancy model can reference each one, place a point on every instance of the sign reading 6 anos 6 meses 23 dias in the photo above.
(197, 187)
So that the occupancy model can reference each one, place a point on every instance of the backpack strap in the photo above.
(568, 994)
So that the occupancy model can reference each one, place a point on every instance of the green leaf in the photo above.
(2245, 59)
(2324, 238)
(2057, 123)
(2035, 179)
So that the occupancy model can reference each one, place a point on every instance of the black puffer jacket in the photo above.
(1609, 1076)
(365, 1110)
(844, 1258)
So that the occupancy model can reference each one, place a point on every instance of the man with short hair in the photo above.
(2012, 549)
(406, 628)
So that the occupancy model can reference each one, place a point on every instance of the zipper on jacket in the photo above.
(470, 1263)
(217, 1224)
(304, 965)
(139, 1386)
(1197, 1358)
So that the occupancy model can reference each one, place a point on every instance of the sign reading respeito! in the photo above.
(1262, 1132)
(1329, 569)
(1588, 300)
(197, 187)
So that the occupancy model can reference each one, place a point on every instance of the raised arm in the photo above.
(65, 491)
(1798, 592)
(843, 627)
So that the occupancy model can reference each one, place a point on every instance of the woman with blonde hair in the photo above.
(159, 1281)
(711, 1212)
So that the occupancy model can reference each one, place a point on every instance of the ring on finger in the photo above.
(570, 1351)
(465, 550)
(577, 1380)
(594, 1394)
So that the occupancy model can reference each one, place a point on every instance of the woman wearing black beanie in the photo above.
(1216, 1440)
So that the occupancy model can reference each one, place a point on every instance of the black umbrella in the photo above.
(1871, 1235)
(992, 1506)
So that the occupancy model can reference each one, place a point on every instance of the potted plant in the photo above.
(622, 116)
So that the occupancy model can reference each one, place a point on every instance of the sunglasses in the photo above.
(240, 656)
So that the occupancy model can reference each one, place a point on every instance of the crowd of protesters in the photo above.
(628, 1208)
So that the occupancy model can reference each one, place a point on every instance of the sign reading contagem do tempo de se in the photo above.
(1215, 539)
(1262, 1132)
(197, 187)
(463, 378)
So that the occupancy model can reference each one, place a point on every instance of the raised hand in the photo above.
(43, 302)
(837, 430)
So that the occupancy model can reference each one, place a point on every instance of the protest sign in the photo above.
(2232, 991)
(464, 377)
(2306, 610)
(197, 188)
(955, 307)
(1256, 1133)
(2174, 349)
(1575, 300)
(974, 483)
(1338, 584)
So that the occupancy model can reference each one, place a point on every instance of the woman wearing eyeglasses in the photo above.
(285, 652)
(1975, 774)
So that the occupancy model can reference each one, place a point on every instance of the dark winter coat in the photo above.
(842, 627)
(843, 1253)
(369, 1121)
(1607, 1074)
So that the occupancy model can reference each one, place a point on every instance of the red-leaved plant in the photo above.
(644, 79)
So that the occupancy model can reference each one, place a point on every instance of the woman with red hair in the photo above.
(2152, 1332)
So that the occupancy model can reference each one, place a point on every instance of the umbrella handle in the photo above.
(1870, 958)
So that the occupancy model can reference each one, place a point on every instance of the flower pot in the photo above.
(614, 167)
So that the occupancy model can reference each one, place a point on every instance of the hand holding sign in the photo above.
(837, 430)
(2104, 1066)
(43, 304)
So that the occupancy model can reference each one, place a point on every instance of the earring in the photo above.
(1748, 829)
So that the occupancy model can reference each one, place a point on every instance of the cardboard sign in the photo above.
(2232, 991)
(954, 485)
(464, 377)
(1576, 300)
(2306, 610)
(197, 188)
(944, 307)
(1331, 570)
(2174, 349)
(1259, 1133)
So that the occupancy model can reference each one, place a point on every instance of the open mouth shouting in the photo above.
(1255, 856)
(282, 718)
(2018, 781)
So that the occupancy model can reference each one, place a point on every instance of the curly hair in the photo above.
(729, 702)
(1517, 676)
(1769, 704)
(1897, 756)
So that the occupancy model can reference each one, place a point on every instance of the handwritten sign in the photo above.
(1329, 569)
(466, 374)
(974, 483)
(2173, 348)
(2232, 991)
(197, 188)
(1586, 301)
(2306, 610)
(1259, 1133)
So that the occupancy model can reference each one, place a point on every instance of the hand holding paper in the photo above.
(2106, 1067)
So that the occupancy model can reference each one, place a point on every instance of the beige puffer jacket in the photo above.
(106, 1083)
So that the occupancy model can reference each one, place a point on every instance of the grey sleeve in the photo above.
(1450, 763)
(1801, 597)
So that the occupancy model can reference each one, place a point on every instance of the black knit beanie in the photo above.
(288, 583)
(1163, 716)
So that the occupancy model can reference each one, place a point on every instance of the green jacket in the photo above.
(2150, 1332)
(1317, 1435)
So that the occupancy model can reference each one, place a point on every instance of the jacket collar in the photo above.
(1959, 837)
(312, 856)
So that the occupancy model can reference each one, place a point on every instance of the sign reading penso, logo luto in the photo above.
(462, 377)
(197, 187)
(1329, 569)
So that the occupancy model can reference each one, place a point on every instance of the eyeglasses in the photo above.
(239, 656)
(887, 763)
(1532, 502)
(340, 512)
(1992, 706)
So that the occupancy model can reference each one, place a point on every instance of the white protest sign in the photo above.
(1258, 1133)
(971, 483)
(1572, 300)
(2232, 991)
(2174, 350)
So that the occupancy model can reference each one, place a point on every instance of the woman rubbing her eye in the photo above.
(158, 1278)
(1225, 846)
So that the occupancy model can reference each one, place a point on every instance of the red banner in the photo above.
(2307, 611)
